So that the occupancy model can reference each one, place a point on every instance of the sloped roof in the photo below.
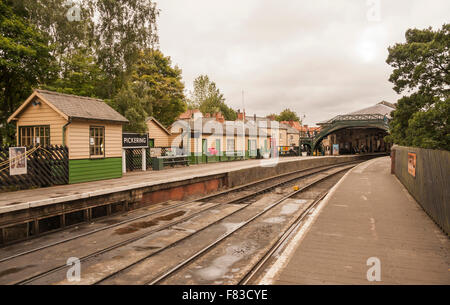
(82, 107)
(383, 108)
(150, 118)
(289, 128)
(380, 108)
(188, 114)
(74, 107)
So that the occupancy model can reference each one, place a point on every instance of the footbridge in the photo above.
(340, 122)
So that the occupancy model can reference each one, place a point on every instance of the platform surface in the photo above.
(368, 214)
(19, 200)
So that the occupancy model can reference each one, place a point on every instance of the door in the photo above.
(218, 149)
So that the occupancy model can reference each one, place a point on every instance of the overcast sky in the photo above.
(318, 58)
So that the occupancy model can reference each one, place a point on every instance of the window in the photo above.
(230, 144)
(34, 135)
(97, 141)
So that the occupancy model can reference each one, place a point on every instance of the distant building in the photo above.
(361, 131)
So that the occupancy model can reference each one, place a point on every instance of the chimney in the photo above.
(254, 117)
(219, 117)
(240, 116)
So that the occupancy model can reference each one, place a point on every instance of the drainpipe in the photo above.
(64, 131)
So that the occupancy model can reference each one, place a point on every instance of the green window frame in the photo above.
(96, 141)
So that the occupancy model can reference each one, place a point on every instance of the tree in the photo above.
(64, 34)
(207, 98)
(114, 31)
(287, 115)
(155, 89)
(422, 63)
(25, 61)
(122, 29)
(421, 66)
(166, 100)
(130, 101)
(80, 75)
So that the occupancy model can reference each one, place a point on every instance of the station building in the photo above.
(90, 128)
(361, 131)
(158, 135)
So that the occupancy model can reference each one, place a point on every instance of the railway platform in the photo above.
(367, 217)
(25, 199)
(29, 213)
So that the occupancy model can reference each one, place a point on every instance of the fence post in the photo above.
(144, 160)
(393, 161)
(124, 161)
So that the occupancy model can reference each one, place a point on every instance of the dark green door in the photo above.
(204, 150)
(218, 150)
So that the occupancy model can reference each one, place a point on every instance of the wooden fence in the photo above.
(431, 184)
(46, 166)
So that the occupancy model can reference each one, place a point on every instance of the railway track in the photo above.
(287, 176)
(244, 194)
(273, 248)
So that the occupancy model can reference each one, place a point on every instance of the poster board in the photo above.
(17, 161)
(335, 149)
(412, 164)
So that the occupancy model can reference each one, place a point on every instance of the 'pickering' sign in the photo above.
(134, 140)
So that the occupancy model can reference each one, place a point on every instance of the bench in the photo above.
(171, 161)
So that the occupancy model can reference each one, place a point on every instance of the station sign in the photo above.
(134, 140)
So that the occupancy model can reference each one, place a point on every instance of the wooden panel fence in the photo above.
(430, 182)
(46, 166)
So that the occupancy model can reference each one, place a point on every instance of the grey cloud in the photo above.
(319, 58)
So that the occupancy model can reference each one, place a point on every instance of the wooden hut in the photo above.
(90, 129)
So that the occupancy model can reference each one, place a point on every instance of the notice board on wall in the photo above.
(412, 164)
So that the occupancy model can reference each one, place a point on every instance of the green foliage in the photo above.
(422, 63)
(25, 61)
(108, 54)
(115, 31)
(155, 89)
(50, 18)
(287, 115)
(165, 97)
(121, 30)
(431, 128)
(207, 98)
(421, 66)
(130, 102)
(80, 76)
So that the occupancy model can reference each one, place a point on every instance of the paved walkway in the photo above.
(369, 214)
(25, 199)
